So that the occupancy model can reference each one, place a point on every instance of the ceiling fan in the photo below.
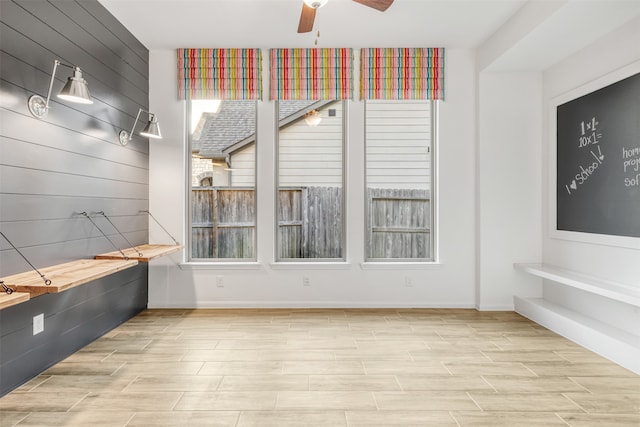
(309, 8)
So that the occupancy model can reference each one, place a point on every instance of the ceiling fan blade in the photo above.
(380, 5)
(307, 17)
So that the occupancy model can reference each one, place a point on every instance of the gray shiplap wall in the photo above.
(69, 162)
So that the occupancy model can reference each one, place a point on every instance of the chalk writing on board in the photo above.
(588, 136)
(631, 166)
(585, 172)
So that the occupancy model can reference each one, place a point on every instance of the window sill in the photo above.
(401, 265)
(310, 265)
(220, 266)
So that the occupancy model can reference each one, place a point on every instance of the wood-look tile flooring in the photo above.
(331, 368)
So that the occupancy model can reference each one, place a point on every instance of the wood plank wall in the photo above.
(69, 162)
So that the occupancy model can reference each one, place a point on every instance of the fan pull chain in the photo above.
(318, 30)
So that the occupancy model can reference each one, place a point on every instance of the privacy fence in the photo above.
(309, 223)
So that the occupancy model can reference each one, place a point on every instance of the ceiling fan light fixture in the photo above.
(316, 4)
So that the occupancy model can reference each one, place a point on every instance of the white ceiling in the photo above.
(169, 24)
(547, 30)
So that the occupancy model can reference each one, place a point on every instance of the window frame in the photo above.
(189, 259)
(433, 208)
(343, 241)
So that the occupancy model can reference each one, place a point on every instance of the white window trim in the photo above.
(403, 263)
(191, 263)
(305, 263)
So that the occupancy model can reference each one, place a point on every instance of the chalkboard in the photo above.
(598, 161)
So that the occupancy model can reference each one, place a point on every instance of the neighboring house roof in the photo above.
(234, 126)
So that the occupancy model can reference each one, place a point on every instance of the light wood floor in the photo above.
(328, 368)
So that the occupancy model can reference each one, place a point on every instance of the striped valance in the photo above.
(402, 73)
(314, 73)
(219, 74)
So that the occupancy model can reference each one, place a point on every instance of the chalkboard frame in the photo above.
(585, 89)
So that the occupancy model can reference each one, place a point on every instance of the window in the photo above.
(399, 180)
(310, 175)
(222, 208)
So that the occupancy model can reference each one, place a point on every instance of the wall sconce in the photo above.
(75, 90)
(312, 118)
(151, 130)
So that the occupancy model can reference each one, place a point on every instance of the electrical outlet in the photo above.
(306, 281)
(38, 324)
(220, 281)
(408, 281)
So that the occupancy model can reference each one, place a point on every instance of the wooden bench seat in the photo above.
(148, 252)
(8, 300)
(65, 276)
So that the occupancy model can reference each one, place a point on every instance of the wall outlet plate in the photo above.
(38, 324)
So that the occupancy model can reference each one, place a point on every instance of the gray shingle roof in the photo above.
(236, 122)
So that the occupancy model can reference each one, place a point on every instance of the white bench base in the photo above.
(614, 344)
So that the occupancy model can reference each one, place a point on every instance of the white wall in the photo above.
(448, 284)
(509, 185)
(616, 50)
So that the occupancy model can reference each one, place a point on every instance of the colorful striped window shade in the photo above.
(219, 74)
(313, 73)
(402, 73)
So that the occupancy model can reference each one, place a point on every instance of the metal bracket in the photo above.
(86, 215)
(47, 282)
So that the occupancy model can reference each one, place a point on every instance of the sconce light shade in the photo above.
(151, 130)
(75, 90)
(312, 118)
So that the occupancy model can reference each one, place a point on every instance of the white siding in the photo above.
(243, 165)
(398, 144)
(312, 155)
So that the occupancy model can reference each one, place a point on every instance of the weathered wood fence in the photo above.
(399, 224)
(223, 222)
(309, 223)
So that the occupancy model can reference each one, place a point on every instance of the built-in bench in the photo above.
(75, 273)
(618, 345)
(65, 276)
(142, 253)
(594, 285)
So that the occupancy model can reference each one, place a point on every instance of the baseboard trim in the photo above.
(614, 344)
(495, 307)
(305, 304)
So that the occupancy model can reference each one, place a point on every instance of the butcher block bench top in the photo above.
(65, 276)
(148, 252)
(7, 300)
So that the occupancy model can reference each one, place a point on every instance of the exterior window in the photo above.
(310, 175)
(399, 180)
(222, 205)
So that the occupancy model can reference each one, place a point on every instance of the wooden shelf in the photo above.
(7, 300)
(65, 276)
(148, 252)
